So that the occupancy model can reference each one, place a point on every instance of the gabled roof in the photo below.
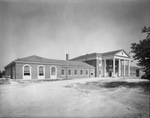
(92, 55)
(38, 59)
(111, 52)
(115, 52)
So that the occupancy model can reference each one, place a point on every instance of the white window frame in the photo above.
(53, 76)
(25, 77)
(40, 77)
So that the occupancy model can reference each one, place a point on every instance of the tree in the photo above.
(141, 52)
(2, 73)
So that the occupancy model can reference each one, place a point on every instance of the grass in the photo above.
(143, 85)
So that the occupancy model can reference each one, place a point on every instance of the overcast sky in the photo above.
(52, 28)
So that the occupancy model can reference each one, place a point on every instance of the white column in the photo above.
(124, 68)
(129, 68)
(113, 67)
(119, 67)
(104, 67)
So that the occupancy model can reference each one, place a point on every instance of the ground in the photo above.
(92, 97)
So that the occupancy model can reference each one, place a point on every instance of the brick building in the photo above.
(109, 64)
(35, 67)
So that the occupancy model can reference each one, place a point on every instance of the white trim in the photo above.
(121, 53)
(129, 68)
(119, 68)
(38, 76)
(53, 76)
(114, 69)
(121, 58)
(100, 62)
(124, 69)
(26, 77)
(116, 57)
(104, 67)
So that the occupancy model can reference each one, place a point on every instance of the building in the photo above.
(109, 64)
(35, 67)
(136, 72)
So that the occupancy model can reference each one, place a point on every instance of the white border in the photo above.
(29, 77)
(53, 76)
(40, 77)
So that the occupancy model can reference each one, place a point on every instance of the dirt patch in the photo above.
(4, 81)
(133, 96)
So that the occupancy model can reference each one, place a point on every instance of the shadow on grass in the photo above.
(144, 85)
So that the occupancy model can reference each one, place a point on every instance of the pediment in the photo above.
(122, 53)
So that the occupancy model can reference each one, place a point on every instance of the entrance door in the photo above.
(110, 73)
(53, 72)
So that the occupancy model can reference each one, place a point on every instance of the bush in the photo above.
(146, 76)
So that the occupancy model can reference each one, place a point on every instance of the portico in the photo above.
(116, 65)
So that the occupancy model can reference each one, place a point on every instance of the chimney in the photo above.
(67, 57)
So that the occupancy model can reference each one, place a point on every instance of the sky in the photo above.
(54, 28)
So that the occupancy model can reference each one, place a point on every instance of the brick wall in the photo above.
(10, 71)
(34, 71)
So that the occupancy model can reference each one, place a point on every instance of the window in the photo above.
(26, 70)
(81, 72)
(69, 72)
(62, 72)
(41, 71)
(53, 71)
(87, 72)
(75, 72)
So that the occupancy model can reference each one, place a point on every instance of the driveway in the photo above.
(65, 98)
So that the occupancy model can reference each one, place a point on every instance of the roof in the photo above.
(99, 55)
(38, 59)
(92, 55)
(111, 52)
(114, 52)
